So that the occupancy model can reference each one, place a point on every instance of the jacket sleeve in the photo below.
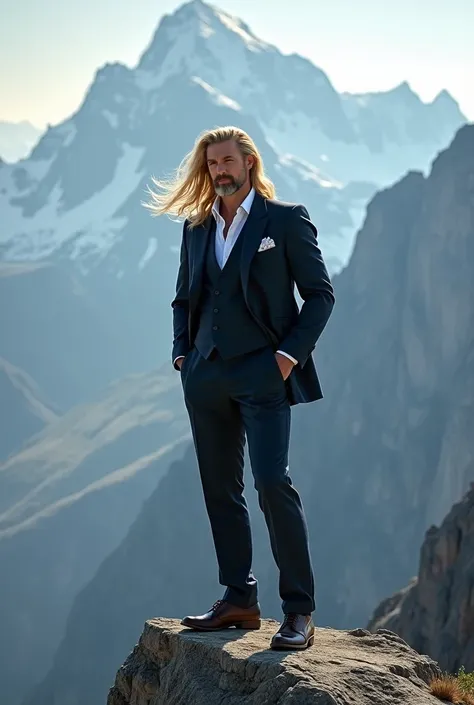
(309, 272)
(180, 305)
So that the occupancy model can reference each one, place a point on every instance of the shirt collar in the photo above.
(246, 204)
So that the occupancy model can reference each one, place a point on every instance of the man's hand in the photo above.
(285, 364)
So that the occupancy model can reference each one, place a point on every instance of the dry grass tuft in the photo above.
(454, 689)
(447, 688)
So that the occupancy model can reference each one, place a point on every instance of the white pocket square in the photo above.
(266, 244)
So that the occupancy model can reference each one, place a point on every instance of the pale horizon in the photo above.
(362, 49)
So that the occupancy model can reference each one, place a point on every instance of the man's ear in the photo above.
(250, 161)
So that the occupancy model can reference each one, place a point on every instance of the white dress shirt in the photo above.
(224, 245)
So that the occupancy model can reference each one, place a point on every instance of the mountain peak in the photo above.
(197, 28)
(445, 99)
(212, 19)
(404, 92)
(444, 95)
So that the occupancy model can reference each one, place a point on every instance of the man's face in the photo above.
(228, 168)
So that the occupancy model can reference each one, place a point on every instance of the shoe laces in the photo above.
(290, 619)
(216, 605)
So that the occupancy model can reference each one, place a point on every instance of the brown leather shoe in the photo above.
(223, 615)
(296, 632)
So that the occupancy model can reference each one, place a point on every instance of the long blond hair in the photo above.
(190, 193)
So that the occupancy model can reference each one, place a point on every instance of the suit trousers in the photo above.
(228, 401)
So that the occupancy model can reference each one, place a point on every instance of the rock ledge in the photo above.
(172, 665)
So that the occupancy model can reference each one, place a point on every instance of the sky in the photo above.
(51, 49)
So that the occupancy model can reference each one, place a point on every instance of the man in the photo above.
(244, 351)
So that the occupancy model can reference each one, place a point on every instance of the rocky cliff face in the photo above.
(391, 444)
(435, 612)
(171, 665)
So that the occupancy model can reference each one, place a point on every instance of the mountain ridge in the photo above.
(275, 88)
(82, 214)
(67, 498)
(24, 409)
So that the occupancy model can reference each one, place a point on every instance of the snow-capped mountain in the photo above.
(75, 189)
(77, 202)
(77, 199)
(374, 137)
(17, 139)
(81, 189)
(79, 193)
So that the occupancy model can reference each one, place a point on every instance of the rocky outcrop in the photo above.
(172, 666)
(435, 612)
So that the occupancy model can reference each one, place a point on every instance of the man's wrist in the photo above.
(290, 357)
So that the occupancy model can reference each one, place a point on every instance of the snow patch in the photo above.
(91, 223)
(308, 172)
(111, 118)
(296, 133)
(205, 30)
(234, 25)
(68, 131)
(218, 98)
(150, 251)
(147, 81)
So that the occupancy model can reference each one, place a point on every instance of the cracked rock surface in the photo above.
(172, 665)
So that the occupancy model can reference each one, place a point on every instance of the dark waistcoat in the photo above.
(225, 322)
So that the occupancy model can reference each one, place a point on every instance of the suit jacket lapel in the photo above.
(199, 239)
(252, 234)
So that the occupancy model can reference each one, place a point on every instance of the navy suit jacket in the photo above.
(268, 280)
